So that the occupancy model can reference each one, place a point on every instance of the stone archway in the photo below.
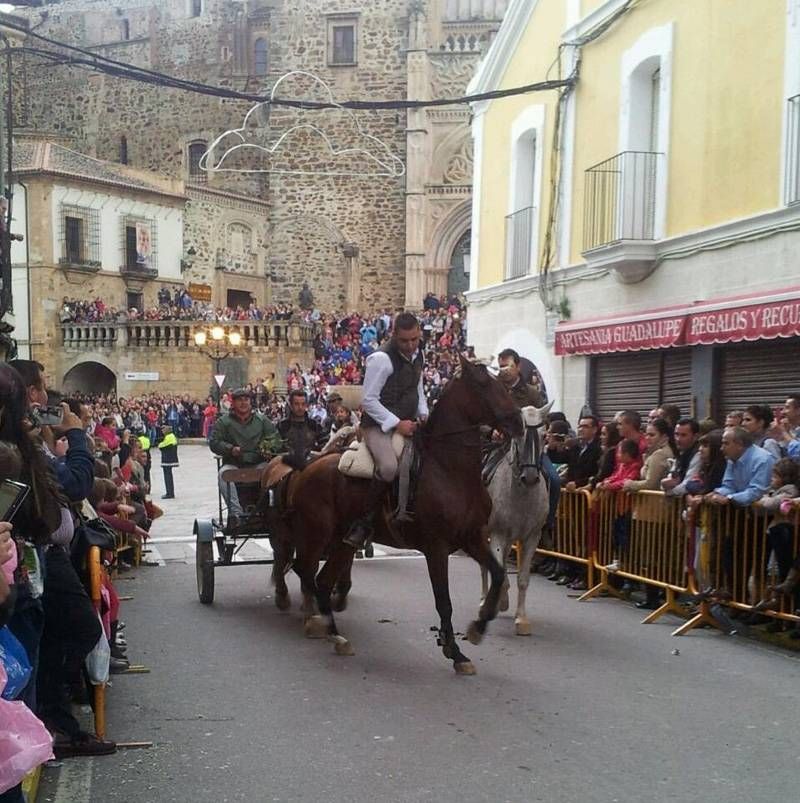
(91, 378)
(458, 275)
(448, 237)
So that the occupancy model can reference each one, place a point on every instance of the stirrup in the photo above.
(401, 516)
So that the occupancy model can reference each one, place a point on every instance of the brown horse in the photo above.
(451, 512)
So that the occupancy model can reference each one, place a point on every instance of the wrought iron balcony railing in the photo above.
(620, 200)
(519, 242)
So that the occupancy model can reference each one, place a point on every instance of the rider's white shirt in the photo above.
(379, 369)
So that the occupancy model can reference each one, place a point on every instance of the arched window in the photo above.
(260, 56)
(196, 151)
(123, 150)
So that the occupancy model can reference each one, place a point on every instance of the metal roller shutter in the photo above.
(757, 373)
(676, 379)
(625, 382)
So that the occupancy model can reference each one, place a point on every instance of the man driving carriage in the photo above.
(239, 438)
(393, 401)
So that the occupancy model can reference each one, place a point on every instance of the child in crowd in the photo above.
(629, 465)
(779, 501)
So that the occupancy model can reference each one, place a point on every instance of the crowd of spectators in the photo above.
(753, 459)
(86, 481)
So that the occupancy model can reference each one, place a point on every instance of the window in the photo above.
(342, 41)
(130, 247)
(196, 151)
(74, 239)
(123, 150)
(134, 300)
(80, 237)
(522, 221)
(260, 56)
(139, 246)
(195, 8)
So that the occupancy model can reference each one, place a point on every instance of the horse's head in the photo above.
(528, 446)
(490, 402)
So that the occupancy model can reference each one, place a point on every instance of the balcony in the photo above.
(136, 271)
(256, 335)
(792, 177)
(519, 242)
(620, 214)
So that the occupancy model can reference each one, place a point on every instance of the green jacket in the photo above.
(229, 432)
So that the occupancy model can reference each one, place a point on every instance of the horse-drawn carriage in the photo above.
(231, 534)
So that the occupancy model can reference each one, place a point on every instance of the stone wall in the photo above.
(345, 236)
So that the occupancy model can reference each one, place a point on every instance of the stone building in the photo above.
(360, 242)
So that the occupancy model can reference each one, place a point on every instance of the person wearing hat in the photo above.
(237, 438)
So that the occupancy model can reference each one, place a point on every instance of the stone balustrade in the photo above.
(180, 334)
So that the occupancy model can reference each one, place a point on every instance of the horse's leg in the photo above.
(521, 623)
(500, 549)
(478, 549)
(342, 589)
(282, 551)
(340, 560)
(436, 558)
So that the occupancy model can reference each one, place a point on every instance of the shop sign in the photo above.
(714, 323)
(199, 292)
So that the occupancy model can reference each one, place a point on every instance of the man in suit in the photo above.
(585, 457)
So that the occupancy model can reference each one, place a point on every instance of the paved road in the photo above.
(593, 707)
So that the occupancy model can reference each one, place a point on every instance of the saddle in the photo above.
(356, 460)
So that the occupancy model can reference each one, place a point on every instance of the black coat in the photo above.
(584, 463)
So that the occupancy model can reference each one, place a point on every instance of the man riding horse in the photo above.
(393, 401)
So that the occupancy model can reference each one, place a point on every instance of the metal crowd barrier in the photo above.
(711, 554)
(571, 540)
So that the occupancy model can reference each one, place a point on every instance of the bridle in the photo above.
(531, 433)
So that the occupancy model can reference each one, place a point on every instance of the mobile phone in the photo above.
(12, 495)
(49, 416)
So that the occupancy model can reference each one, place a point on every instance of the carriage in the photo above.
(231, 537)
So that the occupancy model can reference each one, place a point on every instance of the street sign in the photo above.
(219, 379)
(141, 376)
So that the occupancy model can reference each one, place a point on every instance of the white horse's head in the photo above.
(529, 447)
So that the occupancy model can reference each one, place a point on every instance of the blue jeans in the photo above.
(554, 487)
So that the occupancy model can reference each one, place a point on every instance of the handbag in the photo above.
(89, 533)
(16, 664)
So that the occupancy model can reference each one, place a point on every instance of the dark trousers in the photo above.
(26, 624)
(169, 483)
(13, 795)
(780, 538)
(71, 631)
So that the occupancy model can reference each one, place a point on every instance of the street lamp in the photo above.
(217, 344)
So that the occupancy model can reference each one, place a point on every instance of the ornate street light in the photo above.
(217, 344)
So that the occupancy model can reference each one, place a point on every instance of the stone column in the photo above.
(417, 159)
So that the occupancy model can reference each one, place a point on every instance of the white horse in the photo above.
(519, 508)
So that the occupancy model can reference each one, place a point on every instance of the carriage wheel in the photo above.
(205, 571)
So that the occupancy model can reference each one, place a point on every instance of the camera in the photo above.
(47, 416)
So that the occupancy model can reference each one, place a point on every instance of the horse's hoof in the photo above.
(283, 602)
(522, 627)
(464, 668)
(502, 606)
(341, 646)
(474, 635)
(338, 603)
(316, 627)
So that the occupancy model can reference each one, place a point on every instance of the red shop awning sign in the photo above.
(706, 324)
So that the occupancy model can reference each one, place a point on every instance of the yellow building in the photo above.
(636, 234)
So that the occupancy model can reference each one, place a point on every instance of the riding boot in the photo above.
(364, 528)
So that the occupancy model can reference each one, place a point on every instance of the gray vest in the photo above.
(399, 394)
